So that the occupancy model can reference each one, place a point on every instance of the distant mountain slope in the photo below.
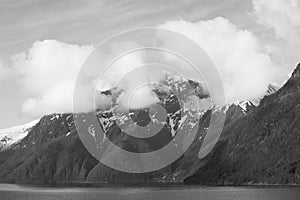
(261, 148)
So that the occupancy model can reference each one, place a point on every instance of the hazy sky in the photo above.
(75, 26)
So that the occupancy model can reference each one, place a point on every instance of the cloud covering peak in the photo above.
(239, 56)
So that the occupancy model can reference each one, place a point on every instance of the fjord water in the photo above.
(16, 192)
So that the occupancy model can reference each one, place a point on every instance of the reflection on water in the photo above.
(16, 192)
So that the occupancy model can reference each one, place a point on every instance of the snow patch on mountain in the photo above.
(13, 135)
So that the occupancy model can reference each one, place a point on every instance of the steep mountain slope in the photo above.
(10, 139)
(260, 148)
(50, 153)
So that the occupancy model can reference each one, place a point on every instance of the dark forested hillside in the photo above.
(261, 148)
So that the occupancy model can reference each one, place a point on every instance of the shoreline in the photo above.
(149, 185)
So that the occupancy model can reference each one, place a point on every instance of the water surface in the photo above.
(17, 192)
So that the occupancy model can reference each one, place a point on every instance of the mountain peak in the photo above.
(294, 81)
(296, 73)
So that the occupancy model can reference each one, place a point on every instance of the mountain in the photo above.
(271, 89)
(260, 148)
(52, 151)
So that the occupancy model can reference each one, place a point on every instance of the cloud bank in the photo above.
(239, 56)
(48, 70)
(47, 73)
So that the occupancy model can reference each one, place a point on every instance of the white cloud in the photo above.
(48, 70)
(238, 55)
(5, 72)
(124, 71)
(47, 73)
(281, 15)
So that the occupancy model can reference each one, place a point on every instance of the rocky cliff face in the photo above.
(260, 148)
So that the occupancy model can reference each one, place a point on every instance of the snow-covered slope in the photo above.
(14, 134)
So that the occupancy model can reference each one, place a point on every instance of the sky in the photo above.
(252, 42)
